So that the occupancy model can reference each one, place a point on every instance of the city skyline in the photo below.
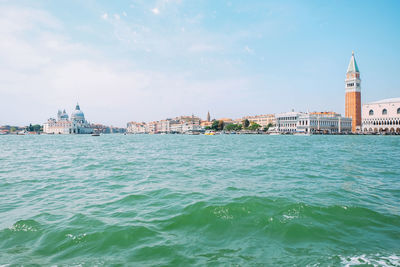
(148, 60)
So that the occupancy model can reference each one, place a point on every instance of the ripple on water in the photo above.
(198, 200)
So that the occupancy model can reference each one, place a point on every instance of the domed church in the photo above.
(77, 124)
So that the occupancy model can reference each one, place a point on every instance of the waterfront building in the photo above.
(315, 122)
(62, 125)
(353, 94)
(381, 116)
(204, 124)
(182, 124)
(151, 127)
(263, 120)
(226, 120)
(136, 127)
(164, 126)
(287, 122)
(100, 128)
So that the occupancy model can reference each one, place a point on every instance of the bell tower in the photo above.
(353, 94)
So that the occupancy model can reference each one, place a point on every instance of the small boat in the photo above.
(95, 134)
(274, 133)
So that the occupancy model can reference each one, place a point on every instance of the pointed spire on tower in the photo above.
(353, 64)
(208, 116)
(77, 106)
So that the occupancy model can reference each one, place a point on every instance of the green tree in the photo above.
(267, 127)
(254, 126)
(246, 123)
(36, 128)
(230, 127)
(233, 127)
(214, 125)
(13, 129)
(220, 125)
(207, 128)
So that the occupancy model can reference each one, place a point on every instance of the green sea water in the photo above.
(245, 200)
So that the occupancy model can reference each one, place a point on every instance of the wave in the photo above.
(248, 229)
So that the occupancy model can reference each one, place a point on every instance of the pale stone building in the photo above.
(62, 125)
(381, 116)
(136, 127)
(182, 124)
(263, 120)
(309, 123)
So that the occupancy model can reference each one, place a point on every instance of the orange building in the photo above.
(353, 94)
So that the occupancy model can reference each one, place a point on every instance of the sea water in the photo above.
(200, 200)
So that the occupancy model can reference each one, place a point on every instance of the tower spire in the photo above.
(352, 64)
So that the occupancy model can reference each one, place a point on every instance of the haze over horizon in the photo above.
(139, 60)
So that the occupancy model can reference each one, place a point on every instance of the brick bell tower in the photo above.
(353, 94)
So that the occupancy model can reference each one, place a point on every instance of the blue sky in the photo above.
(148, 60)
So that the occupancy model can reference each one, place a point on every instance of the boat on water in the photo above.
(209, 133)
(302, 134)
(274, 133)
(95, 134)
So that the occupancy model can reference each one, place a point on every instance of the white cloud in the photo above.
(117, 17)
(155, 11)
(52, 71)
(104, 16)
(249, 50)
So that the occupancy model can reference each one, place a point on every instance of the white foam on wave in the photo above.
(22, 227)
(76, 237)
(374, 260)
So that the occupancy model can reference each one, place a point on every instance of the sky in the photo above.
(146, 60)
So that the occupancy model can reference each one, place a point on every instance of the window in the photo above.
(398, 111)
(384, 111)
(371, 112)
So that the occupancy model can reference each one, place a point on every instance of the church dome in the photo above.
(77, 114)
(64, 115)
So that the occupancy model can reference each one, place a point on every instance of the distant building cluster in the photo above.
(77, 124)
(262, 120)
(100, 128)
(8, 129)
(63, 125)
(311, 123)
(377, 117)
(179, 125)
(290, 122)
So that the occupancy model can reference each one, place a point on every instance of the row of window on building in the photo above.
(352, 84)
(385, 122)
(384, 112)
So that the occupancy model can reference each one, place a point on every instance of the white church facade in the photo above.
(63, 125)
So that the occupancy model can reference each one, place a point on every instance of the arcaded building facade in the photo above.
(381, 116)
(353, 94)
(312, 123)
